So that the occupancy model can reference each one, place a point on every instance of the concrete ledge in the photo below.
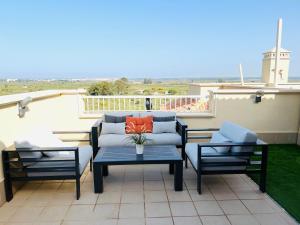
(37, 95)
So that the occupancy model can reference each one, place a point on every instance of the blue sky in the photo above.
(143, 38)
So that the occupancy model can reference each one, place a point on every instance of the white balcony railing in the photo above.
(177, 103)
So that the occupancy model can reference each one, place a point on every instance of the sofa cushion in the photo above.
(164, 127)
(191, 150)
(107, 140)
(164, 139)
(121, 114)
(217, 137)
(115, 119)
(238, 134)
(85, 153)
(164, 118)
(113, 128)
(158, 114)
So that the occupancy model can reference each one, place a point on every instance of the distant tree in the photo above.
(147, 92)
(120, 86)
(172, 92)
(124, 79)
(220, 80)
(101, 88)
(147, 81)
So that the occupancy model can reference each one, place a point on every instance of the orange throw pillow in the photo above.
(137, 125)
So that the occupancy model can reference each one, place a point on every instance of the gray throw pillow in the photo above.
(164, 127)
(113, 128)
(163, 119)
(115, 119)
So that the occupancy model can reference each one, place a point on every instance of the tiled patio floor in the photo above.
(138, 195)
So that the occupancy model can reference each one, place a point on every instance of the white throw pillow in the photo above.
(164, 127)
(39, 137)
(113, 128)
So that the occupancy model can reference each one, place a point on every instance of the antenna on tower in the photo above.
(241, 74)
(278, 47)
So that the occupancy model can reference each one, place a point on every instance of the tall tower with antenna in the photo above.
(268, 66)
(275, 68)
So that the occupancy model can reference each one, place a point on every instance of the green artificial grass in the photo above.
(283, 177)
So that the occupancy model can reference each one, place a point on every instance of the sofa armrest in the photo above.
(95, 133)
(181, 126)
(75, 132)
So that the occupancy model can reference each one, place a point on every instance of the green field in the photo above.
(134, 88)
(283, 177)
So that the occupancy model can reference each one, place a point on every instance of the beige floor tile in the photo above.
(205, 195)
(19, 223)
(233, 207)
(131, 221)
(270, 219)
(26, 214)
(47, 223)
(132, 210)
(155, 196)
(53, 213)
(159, 221)
(191, 184)
(87, 187)
(258, 206)
(183, 209)
(87, 198)
(157, 209)
(79, 213)
(154, 185)
(250, 194)
(133, 186)
(242, 220)
(7, 211)
(208, 208)
(109, 197)
(49, 186)
(169, 185)
(178, 196)
(106, 211)
(40, 198)
(132, 196)
(214, 220)
(19, 198)
(105, 222)
(153, 175)
(62, 199)
(67, 187)
(187, 221)
(222, 192)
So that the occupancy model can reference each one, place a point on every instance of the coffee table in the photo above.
(164, 154)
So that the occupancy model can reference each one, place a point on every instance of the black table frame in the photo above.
(100, 166)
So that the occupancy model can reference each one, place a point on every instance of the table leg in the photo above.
(178, 176)
(105, 170)
(98, 178)
(171, 168)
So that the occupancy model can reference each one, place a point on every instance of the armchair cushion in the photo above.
(191, 150)
(238, 134)
(217, 137)
(85, 153)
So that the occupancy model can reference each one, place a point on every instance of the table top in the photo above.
(127, 155)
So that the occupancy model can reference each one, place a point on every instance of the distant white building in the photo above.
(268, 66)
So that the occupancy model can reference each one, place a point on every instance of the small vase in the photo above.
(139, 149)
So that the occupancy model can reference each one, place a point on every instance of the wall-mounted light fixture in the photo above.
(22, 106)
(258, 96)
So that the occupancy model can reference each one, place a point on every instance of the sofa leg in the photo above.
(91, 165)
(77, 188)
(199, 182)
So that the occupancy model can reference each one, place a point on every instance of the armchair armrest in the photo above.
(181, 126)
(95, 133)
(190, 130)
